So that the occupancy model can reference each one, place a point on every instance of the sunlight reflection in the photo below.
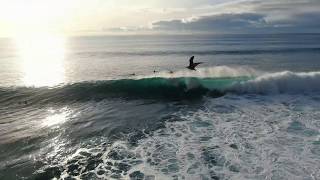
(56, 117)
(42, 60)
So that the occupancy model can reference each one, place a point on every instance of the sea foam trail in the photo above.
(281, 82)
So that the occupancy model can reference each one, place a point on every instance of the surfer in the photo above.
(192, 65)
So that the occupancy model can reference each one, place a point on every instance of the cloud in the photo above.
(246, 16)
(257, 16)
(215, 23)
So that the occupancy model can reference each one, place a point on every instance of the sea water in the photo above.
(125, 107)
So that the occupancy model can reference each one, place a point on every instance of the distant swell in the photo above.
(207, 52)
(167, 88)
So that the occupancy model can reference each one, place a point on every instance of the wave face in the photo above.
(149, 88)
(168, 88)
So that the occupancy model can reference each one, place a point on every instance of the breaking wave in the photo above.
(168, 88)
(281, 82)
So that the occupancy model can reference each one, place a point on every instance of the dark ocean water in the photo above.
(93, 107)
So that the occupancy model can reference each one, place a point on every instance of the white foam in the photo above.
(281, 82)
(209, 72)
(265, 146)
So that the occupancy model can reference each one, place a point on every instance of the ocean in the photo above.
(125, 107)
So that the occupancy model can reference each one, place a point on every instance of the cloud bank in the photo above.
(250, 16)
(216, 23)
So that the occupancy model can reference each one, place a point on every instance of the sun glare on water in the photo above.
(42, 59)
(56, 117)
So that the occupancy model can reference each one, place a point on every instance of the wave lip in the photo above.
(281, 82)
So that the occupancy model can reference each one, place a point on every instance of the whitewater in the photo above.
(251, 111)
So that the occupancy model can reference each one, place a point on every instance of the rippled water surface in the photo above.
(93, 107)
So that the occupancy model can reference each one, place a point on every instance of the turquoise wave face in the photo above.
(149, 88)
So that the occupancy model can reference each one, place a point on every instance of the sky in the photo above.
(91, 17)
